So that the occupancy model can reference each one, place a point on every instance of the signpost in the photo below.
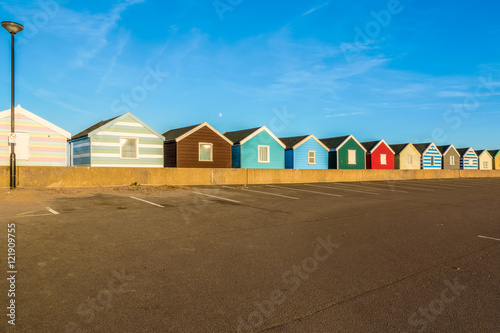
(12, 137)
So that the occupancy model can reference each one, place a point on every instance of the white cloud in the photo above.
(315, 8)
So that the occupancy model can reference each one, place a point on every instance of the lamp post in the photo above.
(13, 28)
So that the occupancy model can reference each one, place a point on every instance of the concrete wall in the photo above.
(46, 177)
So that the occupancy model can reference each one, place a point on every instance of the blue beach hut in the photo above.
(468, 159)
(431, 156)
(256, 148)
(305, 152)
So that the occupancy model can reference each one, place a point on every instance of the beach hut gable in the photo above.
(195, 128)
(39, 142)
(197, 146)
(256, 148)
(305, 152)
(123, 141)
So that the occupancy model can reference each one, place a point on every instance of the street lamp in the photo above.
(13, 28)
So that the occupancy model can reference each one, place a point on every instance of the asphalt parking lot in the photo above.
(405, 256)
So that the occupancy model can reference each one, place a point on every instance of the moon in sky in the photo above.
(220, 114)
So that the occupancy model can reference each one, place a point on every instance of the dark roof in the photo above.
(421, 147)
(462, 151)
(91, 128)
(493, 152)
(444, 148)
(237, 136)
(173, 134)
(398, 147)
(370, 145)
(333, 143)
(479, 151)
(292, 141)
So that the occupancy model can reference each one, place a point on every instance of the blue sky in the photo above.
(401, 71)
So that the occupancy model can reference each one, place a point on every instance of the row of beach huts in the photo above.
(126, 141)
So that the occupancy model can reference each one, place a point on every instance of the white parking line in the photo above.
(376, 189)
(296, 189)
(214, 196)
(342, 189)
(149, 202)
(402, 186)
(52, 211)
(489, 238)
(262, 192)
(425, 185)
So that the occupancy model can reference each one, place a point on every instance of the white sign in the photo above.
(12, 137)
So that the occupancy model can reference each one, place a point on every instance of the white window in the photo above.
(351, 157)
(205, 152)
(410, 159)
(22, 148)
(312, 156)
(129, 148)
(470, 162)
(383, 159)
(264, 154)
(432, 160)
(452, 160)
(485, 165)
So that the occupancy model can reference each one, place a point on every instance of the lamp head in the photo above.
(12, 27)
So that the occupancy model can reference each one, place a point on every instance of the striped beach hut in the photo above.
(485, 160)
(123, 141)
(406, 156)
(468, 159)
(431, 156)
(38, 142)
(496, 158)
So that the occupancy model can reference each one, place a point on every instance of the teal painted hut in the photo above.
(256, 148)
(345, 153)
(123, 141)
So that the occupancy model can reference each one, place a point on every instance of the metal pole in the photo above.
(12, 123)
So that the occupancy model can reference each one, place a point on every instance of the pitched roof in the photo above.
(370, 145)
(333, 143)
(292, 141)
(463, 151)
(237, 136)
(442, 149)
(445, 148)
(86, 131)
(398, 147)
(480, 151)
(20, 110)
(173, 134)
(494, 152)
(421, 147)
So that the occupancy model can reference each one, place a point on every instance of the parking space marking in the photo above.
(214, 196)
(376, 189)
(296, 189)
(342, 189)
(413, 188)
(425, 185)
(262, 192)
(52, 211)
(149, 202)
(489, 238)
